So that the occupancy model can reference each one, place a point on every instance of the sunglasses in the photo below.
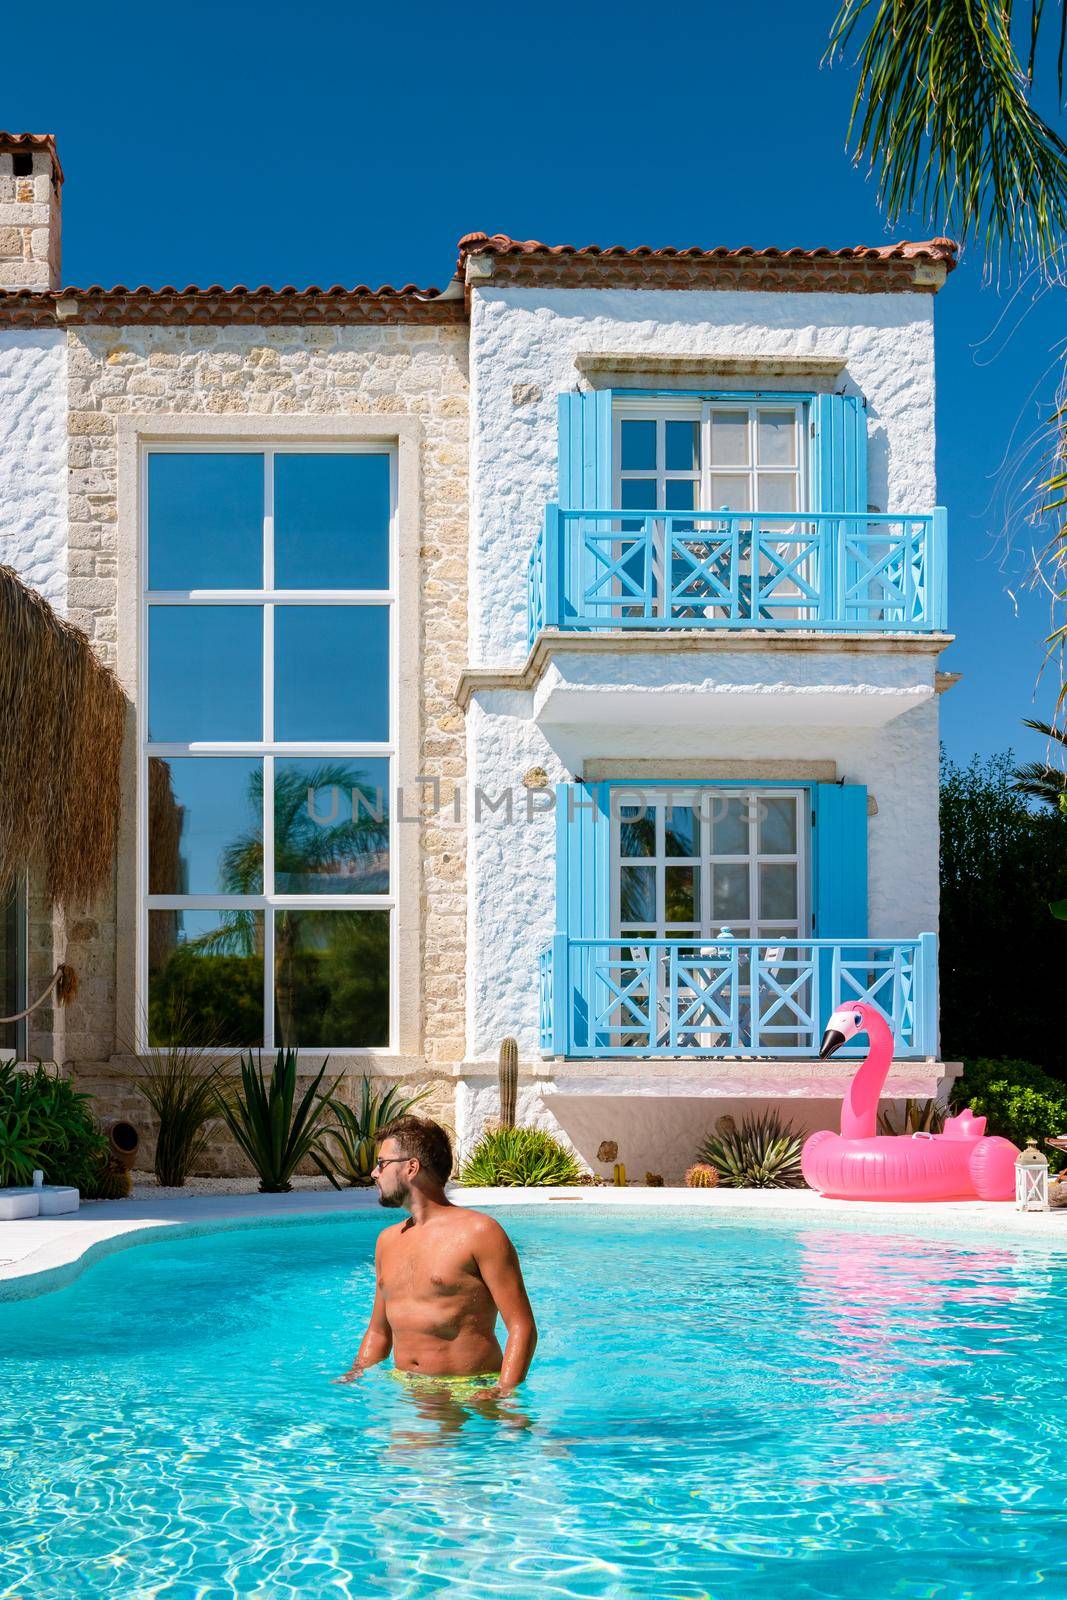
(388, 1160)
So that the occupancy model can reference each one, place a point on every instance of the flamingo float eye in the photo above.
(857, 1019)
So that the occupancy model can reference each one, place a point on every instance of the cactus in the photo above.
(701, 1176)
(110, 1181)
(508, 1075)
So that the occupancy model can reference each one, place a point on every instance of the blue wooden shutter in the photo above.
(585, 484)
(840, 872)
(585, 451)
(839, 453)
(583, 860)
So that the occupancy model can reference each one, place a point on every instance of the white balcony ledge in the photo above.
(735, 1079)
(770, 662)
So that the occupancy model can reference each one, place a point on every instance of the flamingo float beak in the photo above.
(832, 1041)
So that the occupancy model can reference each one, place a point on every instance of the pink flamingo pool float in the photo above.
(962, 1163)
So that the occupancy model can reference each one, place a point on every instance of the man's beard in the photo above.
(394, 1200)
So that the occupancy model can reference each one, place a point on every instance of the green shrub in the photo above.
(919, 1116)
(764, 1153)
(519, 1158)
(355, 1134)
(1019, 1100)
(275, 1132)
(46, 1123)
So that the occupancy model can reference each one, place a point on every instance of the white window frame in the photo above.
(682, 408)
(268, 747)
(703, 798)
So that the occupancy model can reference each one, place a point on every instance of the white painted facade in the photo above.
(33, 459)
(868, 714)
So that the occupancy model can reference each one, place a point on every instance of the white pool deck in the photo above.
(46, 1253)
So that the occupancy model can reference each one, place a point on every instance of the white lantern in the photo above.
(1031, 1179)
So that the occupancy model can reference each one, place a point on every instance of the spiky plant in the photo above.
(110, 1181)
(353, 1137)
(184, 1083)
(763, 1153)
(518, 1158)
(919, 1116)
(701, 1175)
(508, 1077)
(276, 1132)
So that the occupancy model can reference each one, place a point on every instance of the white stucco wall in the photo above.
(529, 337)
(33, 460)
(511, 864)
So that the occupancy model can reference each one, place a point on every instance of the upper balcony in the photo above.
(828, 572)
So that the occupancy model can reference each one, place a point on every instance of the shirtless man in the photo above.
(443, 1275)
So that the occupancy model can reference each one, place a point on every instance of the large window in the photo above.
(268, 746)
(13, 969)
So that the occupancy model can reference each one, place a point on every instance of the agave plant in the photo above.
(519, 1158)
(275, 1132)
(919, 1116)
(764, 1153)
(355, 1134)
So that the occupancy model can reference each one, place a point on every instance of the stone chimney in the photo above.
(31, 185)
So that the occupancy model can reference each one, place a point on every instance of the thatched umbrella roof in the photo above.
(62, 716)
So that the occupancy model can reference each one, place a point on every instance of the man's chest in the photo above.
(422, 1270)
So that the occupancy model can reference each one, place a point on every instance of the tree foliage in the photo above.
(1002, 953)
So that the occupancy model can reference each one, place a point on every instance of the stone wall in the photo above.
(29, 224)
(288, 371)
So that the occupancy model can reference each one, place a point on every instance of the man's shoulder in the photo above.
(387, 1235)
(478, 1226)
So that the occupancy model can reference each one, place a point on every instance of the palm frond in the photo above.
(942, 116)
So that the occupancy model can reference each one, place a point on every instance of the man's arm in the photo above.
(378, 1339)
(498, 1264)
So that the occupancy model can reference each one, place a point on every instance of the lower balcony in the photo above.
(607, 999)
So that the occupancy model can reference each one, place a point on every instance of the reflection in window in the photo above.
(205, 520)
(205, 825)
(331, 673)
(205, 977)
(205, 673)
(331, 978)
(331, 826)
(331, 521)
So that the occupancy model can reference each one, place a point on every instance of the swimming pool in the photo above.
(718, 1408)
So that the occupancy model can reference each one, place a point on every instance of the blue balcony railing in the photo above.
(730, 569)
(730, 997)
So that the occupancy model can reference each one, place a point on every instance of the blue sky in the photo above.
(343, 144)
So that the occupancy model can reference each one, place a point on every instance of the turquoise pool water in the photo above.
(717, 1409)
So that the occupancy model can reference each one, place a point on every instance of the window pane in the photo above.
(729, 892)
(637, 446)
(331, 673)
(331, 826)
(729, 490)
(778, 890)
(331, 521)
(681, 831)
(331, 979)
(776, 438)
(682, 446)
(205, 521)
(777, 826)
(205, 978)
(205, 825)
(205, 673)
(681, 894)
(637, 894)
(637, 830)
(777, 491)
(729, 438)
(680, 494)
(729, 821)
(638, 493)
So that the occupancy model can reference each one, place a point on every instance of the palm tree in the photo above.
(943, 117)
(1040, 779)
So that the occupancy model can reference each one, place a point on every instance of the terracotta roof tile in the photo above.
(215, 305)
(10, 142)
(850, 267)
